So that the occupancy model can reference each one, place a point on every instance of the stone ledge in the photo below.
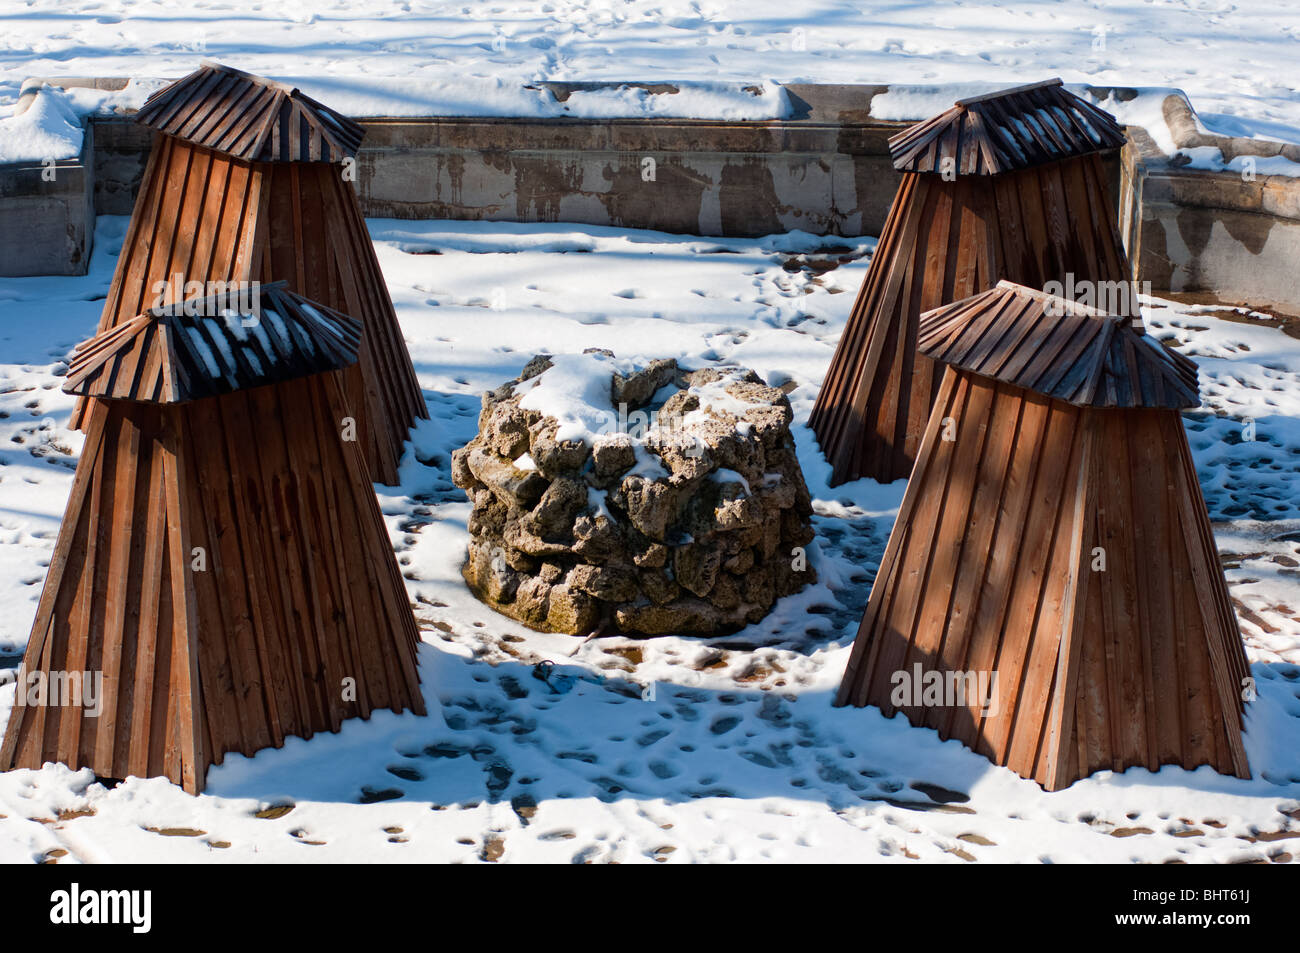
(1200, 230)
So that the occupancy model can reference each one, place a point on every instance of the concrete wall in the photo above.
(121, 153)
(47, 215)
(1215, 232)
(826, 170)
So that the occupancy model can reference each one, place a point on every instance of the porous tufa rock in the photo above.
(685, 512)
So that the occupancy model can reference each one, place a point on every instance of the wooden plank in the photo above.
(991, 468)
(1207, 579)
(1015, 651)
(1041, 264)
(894, 636)
(383, 578)
(234, 200)
(75, 516)
(304, 588)
(946, 562)
(1074, 621)
(855, 686)
(1048, 599)
(1149, 586)
(250, 418)
(231, 122)
(221, 104)
(141, 712)
(211, 526)
(122, 530)
(189, 749)
(134, 293)
(340, 546)
(852, 384)
(1120, 596)
(233, 469)
(75, 652)
(1004, 556)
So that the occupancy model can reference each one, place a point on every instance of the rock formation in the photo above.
(647, 499)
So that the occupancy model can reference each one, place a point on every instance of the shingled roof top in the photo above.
(1007, 130)
(1058, 348)
(208, 346)
(250, 118)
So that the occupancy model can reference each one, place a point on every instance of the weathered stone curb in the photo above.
(1197, 230)
(47, 215)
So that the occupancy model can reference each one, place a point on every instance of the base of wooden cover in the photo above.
(225, 566)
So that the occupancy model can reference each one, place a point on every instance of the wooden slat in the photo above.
(170, 344)
(74, 530)
(251, 118)
(301, 588)
(153, 549)
(1056, 347)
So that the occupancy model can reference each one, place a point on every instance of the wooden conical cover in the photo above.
(224, 564)
(947, 238)
(1066, 547)
(208, 217)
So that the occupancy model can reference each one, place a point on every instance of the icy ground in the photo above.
(736, 753)
(1235, 59)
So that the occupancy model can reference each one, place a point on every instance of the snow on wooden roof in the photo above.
(250, 118)
(1007, 130)
(208, 346)
(1058, 348)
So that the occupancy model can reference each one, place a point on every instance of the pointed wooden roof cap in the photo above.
(1007, 130)
(251, 118)
(213, 345)
(1058, 348)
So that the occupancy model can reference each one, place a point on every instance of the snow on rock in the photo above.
(88, 101)
(1211, 159)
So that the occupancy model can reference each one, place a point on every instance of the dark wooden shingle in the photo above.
(1007, 130)
(1057, 348)
(250, 118)
(219, 344)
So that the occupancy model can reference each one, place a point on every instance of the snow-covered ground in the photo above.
(737, 754)
(1236, 60)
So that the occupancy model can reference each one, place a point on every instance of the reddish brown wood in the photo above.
(1068, 441)
(301, 588)
(1025, 200)
(250, 118)
(236, 195)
